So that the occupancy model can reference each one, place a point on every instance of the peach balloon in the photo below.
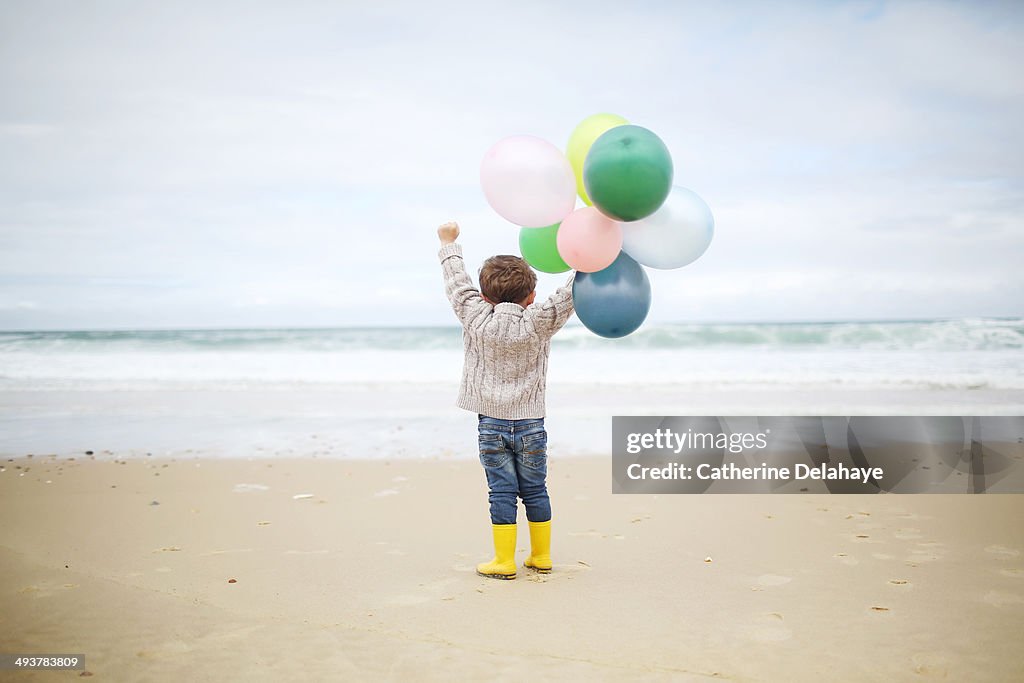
(588, 240)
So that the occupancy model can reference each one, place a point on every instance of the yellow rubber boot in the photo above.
(503, 566)
(540, 547)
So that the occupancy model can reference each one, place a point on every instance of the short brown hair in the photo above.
(506, 279)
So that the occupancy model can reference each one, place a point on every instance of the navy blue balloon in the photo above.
(613, 302)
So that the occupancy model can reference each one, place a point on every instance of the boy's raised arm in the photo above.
(550, 315)
(465, 299)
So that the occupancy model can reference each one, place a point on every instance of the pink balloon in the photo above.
(588, 240)
(528, 181)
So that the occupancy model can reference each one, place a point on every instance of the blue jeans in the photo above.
(514, 454)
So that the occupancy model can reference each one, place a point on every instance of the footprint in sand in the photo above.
(773, 580)
(409, 600)
(1000, 599)
(913, 515)
(1002, 552)
(250, 488)
(930, 665)
(560, 572)
(429, 592)
(767, 628)
(391, 551)
(305, 552)
(588, 534)
(899, 582)
(846, 559)
(227, 551)
(566, 570)
(907, 534)
(928, 551)
(171, 648)
(45, 590)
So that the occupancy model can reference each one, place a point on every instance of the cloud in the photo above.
(279, 165)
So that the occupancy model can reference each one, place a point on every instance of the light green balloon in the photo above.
(540, 249)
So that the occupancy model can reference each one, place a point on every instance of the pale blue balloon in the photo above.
(615, 301)
(675, 235)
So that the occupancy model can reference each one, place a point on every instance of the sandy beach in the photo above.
(191, 568)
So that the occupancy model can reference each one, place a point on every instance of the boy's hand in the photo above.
(448, 233)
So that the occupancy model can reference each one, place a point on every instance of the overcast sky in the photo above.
(204, 164)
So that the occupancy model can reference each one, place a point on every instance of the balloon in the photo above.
(589, 130)
(589, 241)
(613, 302)
(528, 181)
(628, 173)
(538, 247)
(674, 235)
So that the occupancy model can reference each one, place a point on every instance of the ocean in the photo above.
(390, 392)
(941, 354)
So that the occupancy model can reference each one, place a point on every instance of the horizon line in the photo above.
(573, 323)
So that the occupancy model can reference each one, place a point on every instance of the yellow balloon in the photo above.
(581, 140)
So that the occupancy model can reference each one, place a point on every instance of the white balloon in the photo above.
(674, 235)
(528, 181)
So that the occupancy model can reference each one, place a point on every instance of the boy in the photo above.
(507, 338)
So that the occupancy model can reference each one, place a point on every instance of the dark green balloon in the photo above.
(628, 173)
(540, 249)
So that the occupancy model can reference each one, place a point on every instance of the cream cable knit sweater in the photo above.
(507, 346)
